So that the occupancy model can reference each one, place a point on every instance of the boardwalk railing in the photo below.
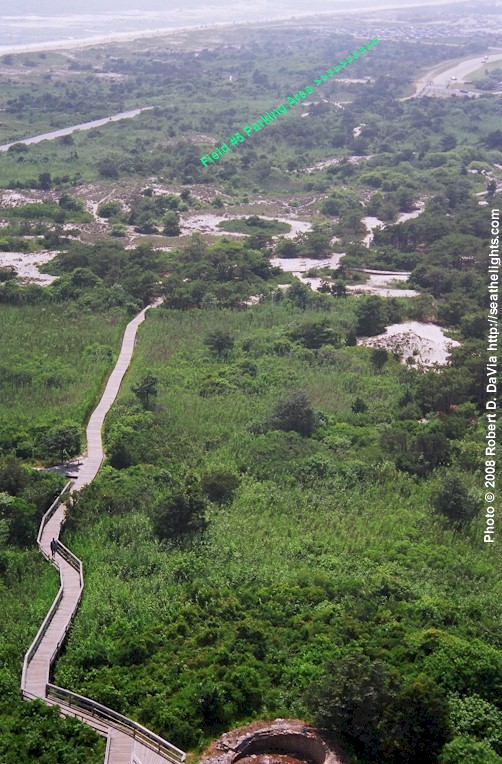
(103, 719)
(59, 596)
(45, 519)
(30, 654)
(114, 719)
(70, 558)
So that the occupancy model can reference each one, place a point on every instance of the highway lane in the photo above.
(460, 70)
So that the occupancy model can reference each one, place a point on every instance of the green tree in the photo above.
(494, 140)
(425, 452)
(146, 389)
(387, 718)
(171, 221)
(454, 501)
(359, 405)
(293, 412)
(491, 187)
(352, 697)
(415, 729)
(69, 202)
(45, 181)
(108, 168)
(18, 519)
(220, 485)
(379, 357)
(220, 342)
(448, 142)
(371, 316)
(63, 442)
(299, 295)
(315, 333)
(473, 717)
(110, 209)
(463, 749)
(286, 249)
(338, 289)
(180, 513)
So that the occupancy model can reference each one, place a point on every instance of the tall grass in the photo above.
(63, 358)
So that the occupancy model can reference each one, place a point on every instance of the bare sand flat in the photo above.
(424, 344)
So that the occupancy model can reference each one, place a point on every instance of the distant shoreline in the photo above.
(89, 42)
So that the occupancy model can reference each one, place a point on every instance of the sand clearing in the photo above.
(424, 344)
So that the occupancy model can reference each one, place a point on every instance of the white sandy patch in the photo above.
(381, 291)
(411, 215)
(354, 159)
(208, 223)
(425, 344)
(25, 264)
(314, 282)
(371, 223)
(298, 266)
(17, 199)
(381, 283)
(255, 298)
(297, 226)
(384, 283)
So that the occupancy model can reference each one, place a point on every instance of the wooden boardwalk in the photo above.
(127, 741)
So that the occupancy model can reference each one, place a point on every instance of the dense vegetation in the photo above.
(259, 541)
(236, 84)
(54, 359)
(288, 523)
(30, 732)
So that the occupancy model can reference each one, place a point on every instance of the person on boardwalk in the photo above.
(54, 546)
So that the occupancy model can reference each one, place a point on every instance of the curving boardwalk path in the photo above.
(127, 741)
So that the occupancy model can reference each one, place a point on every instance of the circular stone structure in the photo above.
(282, 741)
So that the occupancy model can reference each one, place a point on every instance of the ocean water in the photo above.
(30, 22)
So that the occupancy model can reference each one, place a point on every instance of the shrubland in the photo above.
(287, 523)
(260, 548)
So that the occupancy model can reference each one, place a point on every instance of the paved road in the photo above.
(459, 70)
(73, 128)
